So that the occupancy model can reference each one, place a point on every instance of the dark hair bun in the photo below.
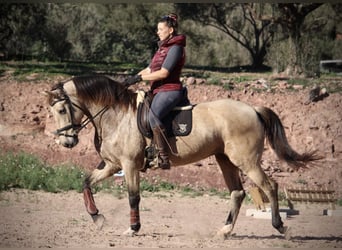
(170, 19)
(173, 16)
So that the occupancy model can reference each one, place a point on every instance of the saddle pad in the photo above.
(179, 123)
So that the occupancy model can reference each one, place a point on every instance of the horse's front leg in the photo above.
(101, 172)
(133, 181)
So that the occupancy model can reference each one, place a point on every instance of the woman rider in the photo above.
(164, 76)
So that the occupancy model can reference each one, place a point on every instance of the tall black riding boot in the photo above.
(161, 144)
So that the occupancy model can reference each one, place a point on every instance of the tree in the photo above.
(21, 28)
(132, 30)
(56, 32)
(244, 23)
(291, 17)
(86, 32)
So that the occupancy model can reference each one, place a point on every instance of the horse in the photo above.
(233, 131)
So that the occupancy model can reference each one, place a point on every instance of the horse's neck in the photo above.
(112, 117)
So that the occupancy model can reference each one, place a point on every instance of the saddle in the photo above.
(177, 123)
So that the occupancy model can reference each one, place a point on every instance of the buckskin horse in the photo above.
(232, 131)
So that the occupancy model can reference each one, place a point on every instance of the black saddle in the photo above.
(177, 123)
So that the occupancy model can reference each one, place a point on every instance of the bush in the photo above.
(26, 171)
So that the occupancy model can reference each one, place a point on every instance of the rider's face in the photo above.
(163, 31)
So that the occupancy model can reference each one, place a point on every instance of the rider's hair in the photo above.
(171, 22)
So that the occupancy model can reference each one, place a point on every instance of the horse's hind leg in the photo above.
(270, 188)
(233, 181)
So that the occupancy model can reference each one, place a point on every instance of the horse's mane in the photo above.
(103, 90)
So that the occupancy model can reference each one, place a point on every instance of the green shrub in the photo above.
(339, 202)
(26, 171)
(149, 187)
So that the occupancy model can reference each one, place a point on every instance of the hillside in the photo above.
(26, 125)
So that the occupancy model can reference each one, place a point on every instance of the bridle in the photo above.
(76, 127)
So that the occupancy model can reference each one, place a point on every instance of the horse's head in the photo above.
(66, 112)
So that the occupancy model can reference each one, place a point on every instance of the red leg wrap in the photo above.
(89, 202)
(135, 218)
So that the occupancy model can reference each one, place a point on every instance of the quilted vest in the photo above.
(172, 82)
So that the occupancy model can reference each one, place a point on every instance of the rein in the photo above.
(76, 127)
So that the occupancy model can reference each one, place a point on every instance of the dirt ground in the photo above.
(38, 219)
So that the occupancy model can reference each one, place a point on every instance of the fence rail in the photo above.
(310, 195)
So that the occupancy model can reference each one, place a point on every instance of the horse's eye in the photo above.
(62, 111)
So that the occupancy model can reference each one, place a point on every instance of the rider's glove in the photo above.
(132, 80)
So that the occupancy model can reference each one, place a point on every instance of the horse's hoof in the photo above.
(129, 232)
(287, 233)
(225, 232)
(99, 220)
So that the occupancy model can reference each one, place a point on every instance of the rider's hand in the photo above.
(132, 80)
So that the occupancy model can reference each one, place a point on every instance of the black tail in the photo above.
(276, 136)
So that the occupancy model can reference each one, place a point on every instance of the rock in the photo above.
(297, 87)
(316, 94)
(36, 119)
(200, 81)
(190, 81)
(283, 84)
(263, 83)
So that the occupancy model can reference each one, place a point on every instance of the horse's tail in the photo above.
(276, 136)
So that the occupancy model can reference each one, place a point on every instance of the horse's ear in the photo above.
(49, 94)
(46, 93)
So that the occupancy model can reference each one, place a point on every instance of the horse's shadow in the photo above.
(255, 237)
(301, 239)
(292, 238)
(325, 238)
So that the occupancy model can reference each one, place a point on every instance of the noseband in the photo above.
(76, 127)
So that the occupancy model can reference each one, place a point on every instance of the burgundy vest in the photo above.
(172, 82)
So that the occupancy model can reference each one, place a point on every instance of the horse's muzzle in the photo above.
(70, 141)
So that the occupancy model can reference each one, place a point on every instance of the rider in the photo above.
(164, 75)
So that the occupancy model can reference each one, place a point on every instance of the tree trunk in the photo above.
(294, 65)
